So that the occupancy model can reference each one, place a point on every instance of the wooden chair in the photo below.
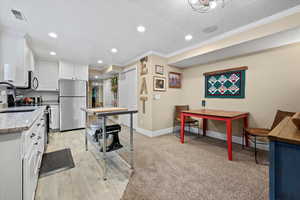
(253, 133)
(188, 120)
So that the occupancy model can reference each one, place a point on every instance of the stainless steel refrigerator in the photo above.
(72, 97)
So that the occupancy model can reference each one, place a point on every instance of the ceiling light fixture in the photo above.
(204, 6)
(99, 61)
(193, 1)
(52, 34)
(141, 29)
(114, 50)
(52, 53)
(188, 37)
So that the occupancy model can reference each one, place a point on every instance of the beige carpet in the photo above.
(196, 170)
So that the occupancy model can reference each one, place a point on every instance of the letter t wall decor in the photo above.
(228, 83)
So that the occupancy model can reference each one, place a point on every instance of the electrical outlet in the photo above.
(203, 103)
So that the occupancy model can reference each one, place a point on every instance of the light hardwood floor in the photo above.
(84, 182)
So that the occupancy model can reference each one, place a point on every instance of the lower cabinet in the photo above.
(30, 174)
(20, 161)
(54, 117)
(32, 159)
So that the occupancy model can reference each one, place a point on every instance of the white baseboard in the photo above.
(212, 134)
(154, 133)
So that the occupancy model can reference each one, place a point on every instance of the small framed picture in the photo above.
(159, 83)
(159, 69)
(174, 80)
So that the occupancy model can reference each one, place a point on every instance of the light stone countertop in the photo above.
(19, 121)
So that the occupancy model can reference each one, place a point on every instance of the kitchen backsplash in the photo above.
(47, 96)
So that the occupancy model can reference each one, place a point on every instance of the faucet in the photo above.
(12, 86)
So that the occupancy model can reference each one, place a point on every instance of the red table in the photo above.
(205, 114)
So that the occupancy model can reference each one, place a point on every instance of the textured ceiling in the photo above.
(88, 29)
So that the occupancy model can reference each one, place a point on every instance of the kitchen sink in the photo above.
(17, 111)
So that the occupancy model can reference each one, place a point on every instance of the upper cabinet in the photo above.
(47, 74)
(66, 70)
(81, 72)
(73, 71)
(14, 50)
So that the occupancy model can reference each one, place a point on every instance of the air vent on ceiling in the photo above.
(18, 14)
(210, 29)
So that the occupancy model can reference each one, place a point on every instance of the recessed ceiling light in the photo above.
(100, 61)
(141, 29)
(52, 34)
(213, 4)
(188, 37)
(114, 50)
(52, 53)
(194, 1)
(96, 76)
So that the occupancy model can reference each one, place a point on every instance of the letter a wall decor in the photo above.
(229, 83)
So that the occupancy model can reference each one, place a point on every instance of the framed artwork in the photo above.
(159, 69)
(159, 83)
(228, 83)
(174, 80)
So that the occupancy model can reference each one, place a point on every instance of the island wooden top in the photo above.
(103, 109)
(286, 131)
(217, 113)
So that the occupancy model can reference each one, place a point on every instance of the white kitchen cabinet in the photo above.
(54, 117)
(81, 72)
(47, 74)
(66, 70)
(14, 50)
(73, 71)
(20, 164)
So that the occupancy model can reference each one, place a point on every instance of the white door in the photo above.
(128, 94)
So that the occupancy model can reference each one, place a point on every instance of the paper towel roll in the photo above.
(9, 73)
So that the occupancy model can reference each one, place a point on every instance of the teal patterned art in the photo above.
(229, 84)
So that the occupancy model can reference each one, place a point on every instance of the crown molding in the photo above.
(247, 27)
(148, 53)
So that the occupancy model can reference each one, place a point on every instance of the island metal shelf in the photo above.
(103, 113)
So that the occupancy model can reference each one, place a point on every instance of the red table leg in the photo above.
(204, 124)
(229, 138)
(246, 126)
(182, 122)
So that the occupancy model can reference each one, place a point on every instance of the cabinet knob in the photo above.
(38, 124)
(39, 137)
(36, 143)
(32, 135)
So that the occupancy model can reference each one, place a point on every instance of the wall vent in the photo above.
(210, 29)
(18, 14)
